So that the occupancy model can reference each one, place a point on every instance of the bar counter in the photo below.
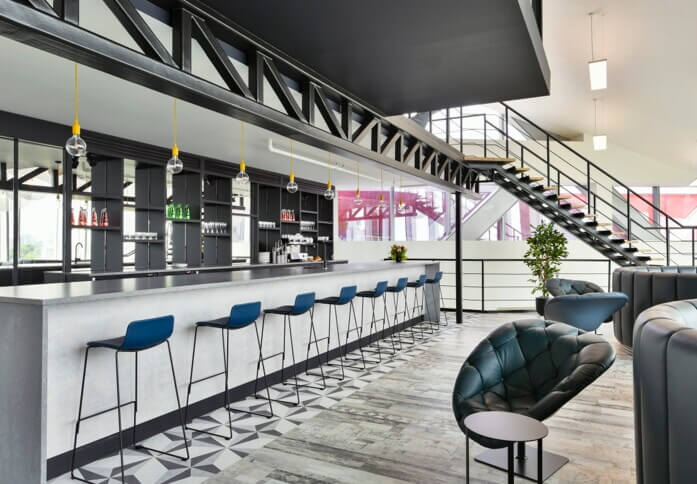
(44, 329)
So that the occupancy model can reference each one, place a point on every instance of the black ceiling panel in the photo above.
(404, 56)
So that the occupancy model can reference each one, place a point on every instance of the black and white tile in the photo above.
(210, 455)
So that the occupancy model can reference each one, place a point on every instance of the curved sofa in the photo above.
(647, 286)
(665, 391)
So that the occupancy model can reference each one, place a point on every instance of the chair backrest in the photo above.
(242, 315)
(562, 287)
(347, 294)
(422, 280)
(438, 276)
(402, 283)
(380, 288)
(303, 303)
(146, 333)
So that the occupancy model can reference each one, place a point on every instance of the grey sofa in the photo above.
(665, 392)
(581, 304)
(647, 286)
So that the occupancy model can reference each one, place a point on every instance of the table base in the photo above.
(526, 468)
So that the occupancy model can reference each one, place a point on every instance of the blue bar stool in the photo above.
(417, 305)
(373, 295)
(433, 283)
(140, 335)
(304, 303)
(241, 316)
(396, 290)
(346, 296)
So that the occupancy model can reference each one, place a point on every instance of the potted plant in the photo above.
(398, 253)
(546, 249)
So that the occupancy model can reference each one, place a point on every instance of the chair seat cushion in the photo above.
(215, 323)
(285, 310)
(112, 343)
(366, 294)
(531, 367)
(414, 284)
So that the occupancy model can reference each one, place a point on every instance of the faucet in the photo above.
(77, 259)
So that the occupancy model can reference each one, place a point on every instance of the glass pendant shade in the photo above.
(292, 187)
(599, 142)
(382, 203)
(174, 164)
(401, 206)
(597, 71)
(329, 192)
(242, 177)
(357, 200)
(76, 146)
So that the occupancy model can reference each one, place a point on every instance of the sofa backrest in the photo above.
(646, 286)
(665, 391)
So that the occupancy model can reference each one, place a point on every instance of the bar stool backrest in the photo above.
(147, 333)
(422, 280)
(303, 303)
(242, 315)
(347, 294)
(438, 276)
(402, 283)
(380, 288)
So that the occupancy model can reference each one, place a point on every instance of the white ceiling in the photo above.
(650, 105)
(38, 84)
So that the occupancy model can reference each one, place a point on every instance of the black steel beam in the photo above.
(15, 212)
(41, 5)
(139, 30)
(389, 142)
(211, 46)
(68, 10)
(34, 173)
(34, 28)
(458, 257)
(364, 130)
(67, 212)
(411, 153)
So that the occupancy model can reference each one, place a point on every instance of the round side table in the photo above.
(508, 429)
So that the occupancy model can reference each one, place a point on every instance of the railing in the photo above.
(504, 285)
(586, 182)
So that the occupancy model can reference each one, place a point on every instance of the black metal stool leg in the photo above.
(359, 331)
(262, 365)
(442, 303)
(118, 411)
(79, 418)
(371, 332)
(292, 354)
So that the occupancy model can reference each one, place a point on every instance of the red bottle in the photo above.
(104, 218)
(95, 221)
(82, 220)
(72, 217)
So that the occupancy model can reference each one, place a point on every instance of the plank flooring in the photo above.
(400, 428)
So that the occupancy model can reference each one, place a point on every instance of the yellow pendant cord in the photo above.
(292, 175)
(243, 166)
(76, 123)
(175, 148)
(329, 173)
(358, 178)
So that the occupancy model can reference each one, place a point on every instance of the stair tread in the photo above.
(534, 178)
(492, 160)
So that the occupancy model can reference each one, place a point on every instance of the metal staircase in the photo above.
(545, 172)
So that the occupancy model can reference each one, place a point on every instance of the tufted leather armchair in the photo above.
(531, 367)
(563, 287)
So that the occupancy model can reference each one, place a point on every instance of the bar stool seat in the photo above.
(113, 343)
(284, 311)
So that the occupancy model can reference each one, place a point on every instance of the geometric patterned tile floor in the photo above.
(210, 454)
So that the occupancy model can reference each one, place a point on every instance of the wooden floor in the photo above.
(400, 427)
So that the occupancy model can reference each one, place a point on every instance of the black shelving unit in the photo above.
(150, 202)
(186, 234)
(217, 208)
(107, 193)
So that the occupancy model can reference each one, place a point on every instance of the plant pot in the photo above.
(540, 303)
(398, 258)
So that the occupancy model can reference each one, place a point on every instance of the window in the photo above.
(40, 203)
(423, 213)
(368, 221)
(6, 221)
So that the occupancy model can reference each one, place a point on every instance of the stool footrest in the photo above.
(132, 402)
(206, 378)
(150, 449)
(249, 412)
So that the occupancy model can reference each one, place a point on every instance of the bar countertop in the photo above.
(73, 292)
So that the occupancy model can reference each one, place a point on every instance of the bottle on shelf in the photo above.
(187, 212)
(82, 218)
(72, 217)
(95, 219)
(170, 210)
(104, 218)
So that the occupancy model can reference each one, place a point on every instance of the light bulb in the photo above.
(382, 203)
(242, 177)
(357, 200)
(76, 146)
(174, 164)
(292, 187)
(329, 192)
(401, 206)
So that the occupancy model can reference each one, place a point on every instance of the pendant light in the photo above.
(382, 203)
(597, 69)
(599, 140)
(76, 146)
(401, 206)
(242, 177)
(292, 187)
(329, 192)
(174, 164)
(357, 200)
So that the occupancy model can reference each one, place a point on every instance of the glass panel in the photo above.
(367, 221)
(422, 213)
(241, 239)
(6, 207)
(40, 203)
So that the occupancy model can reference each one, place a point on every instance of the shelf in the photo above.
(150, 208)
(269, 228)
(93, 227)
(290, 221)
(221, 236)
(217, 202)
(308, 230)
(324, 222)
(184, 221)
(134, 241)
(309, 211)
(97, 196)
